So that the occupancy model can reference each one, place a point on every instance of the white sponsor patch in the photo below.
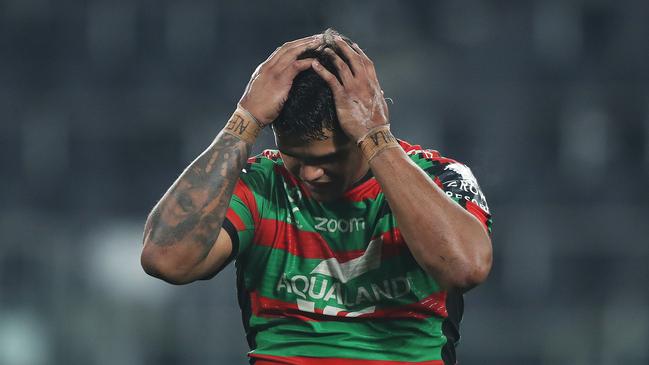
(463, 171)
(344, 272)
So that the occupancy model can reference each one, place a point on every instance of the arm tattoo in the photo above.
(193, 209)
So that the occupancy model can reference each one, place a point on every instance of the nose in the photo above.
(310, 173)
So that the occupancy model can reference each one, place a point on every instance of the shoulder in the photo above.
(265, 162)
(425, 156)
(267, 157)
(454, 177)
(260, 170)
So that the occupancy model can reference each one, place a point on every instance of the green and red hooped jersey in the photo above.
(335, 283)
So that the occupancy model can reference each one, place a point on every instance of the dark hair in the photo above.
(309, 108)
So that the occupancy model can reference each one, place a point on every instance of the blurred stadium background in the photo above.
(104, 102)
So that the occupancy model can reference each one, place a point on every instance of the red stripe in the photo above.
(434, 304)
(311, 245)
(243, 192)
(439, 182)
(475, 209)
(269, 307)
(393, 243)
(234, 218)
(369, 189)
(261, 359)
(283, 236)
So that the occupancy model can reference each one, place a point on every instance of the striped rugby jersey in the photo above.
(334, 282)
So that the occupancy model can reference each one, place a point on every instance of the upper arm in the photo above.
(238, 226)
(188, 262)
(236, 233)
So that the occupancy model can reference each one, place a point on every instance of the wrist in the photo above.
(243, 125)
(377, 140)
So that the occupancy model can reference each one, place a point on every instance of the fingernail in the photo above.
(316, 64)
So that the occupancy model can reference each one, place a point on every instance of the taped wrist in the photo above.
(378, 139)
(243, 125)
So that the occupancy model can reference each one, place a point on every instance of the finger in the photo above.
(329, 78)
(369, 65)
(290, 50)
(272, 54)
(355, 59)
(343, 69)
(296, 67)
(294, 52)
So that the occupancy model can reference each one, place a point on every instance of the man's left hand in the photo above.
(359, 99)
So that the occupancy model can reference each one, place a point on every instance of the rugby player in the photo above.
(351, 246)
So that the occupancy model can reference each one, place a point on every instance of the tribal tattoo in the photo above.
(193, 209)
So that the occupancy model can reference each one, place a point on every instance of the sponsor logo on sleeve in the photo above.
(466, 187)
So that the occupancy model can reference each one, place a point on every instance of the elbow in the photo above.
(476, 271)
(159, 263)
(475, 261)
(464, 271)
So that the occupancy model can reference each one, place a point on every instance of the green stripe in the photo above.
(405, 340)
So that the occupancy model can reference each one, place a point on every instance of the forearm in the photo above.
(183, 226)
(181, 231)
(446, 240)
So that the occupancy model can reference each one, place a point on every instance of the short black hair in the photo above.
(309, 108)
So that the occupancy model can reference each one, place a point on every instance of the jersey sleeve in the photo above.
(457, 181)
(243, 214)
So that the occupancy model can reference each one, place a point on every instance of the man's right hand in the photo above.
(269, 85)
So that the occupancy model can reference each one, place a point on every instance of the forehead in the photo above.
(335, 142)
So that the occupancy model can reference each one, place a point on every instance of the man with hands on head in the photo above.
(351, 246)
